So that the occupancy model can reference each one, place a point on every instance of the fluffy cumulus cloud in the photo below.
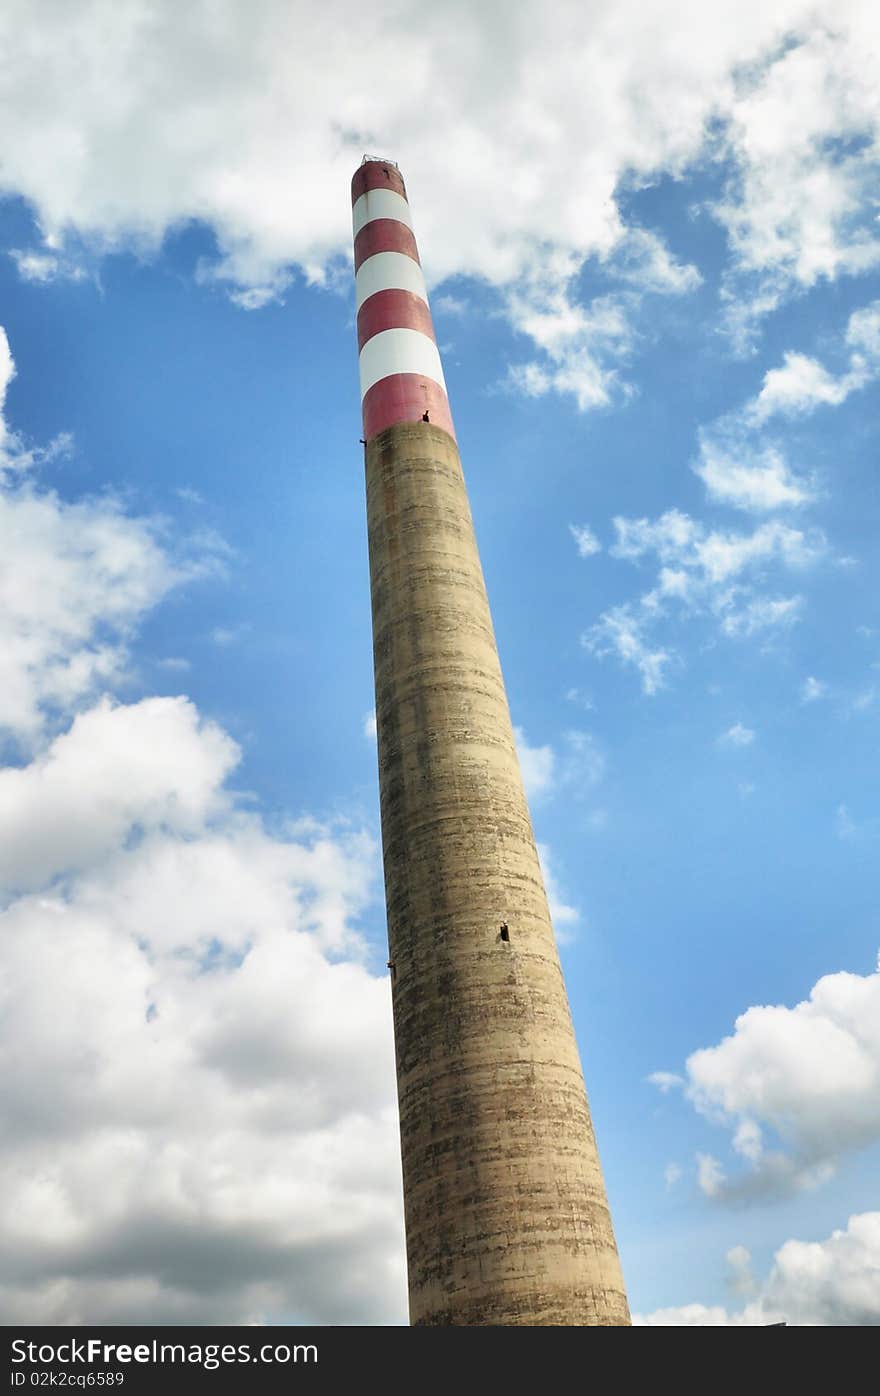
(528, 125)
(804, 130)
(812, 689)
(701, 572)
(739, 466)
(576, 766)
(622, 632)
(737, 735)
(7, 373)
(585, 540)
(537, 764)
(198, 1086)
(796, 1088)
(746, 475)
(709, 557)
(75, 581)
(564, 916)
(151, 764)
(827, 1283)
(581, 344)
(196, 1068)
(803, 384)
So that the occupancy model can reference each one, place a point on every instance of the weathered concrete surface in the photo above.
(506, 1215)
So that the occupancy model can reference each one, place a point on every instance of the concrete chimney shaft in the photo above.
(507, 1220)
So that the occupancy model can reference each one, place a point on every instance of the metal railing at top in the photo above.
(379, 160)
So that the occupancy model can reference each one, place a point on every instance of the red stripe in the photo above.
(405, 397)
(393, 310)
(384, 235)
(376, 175)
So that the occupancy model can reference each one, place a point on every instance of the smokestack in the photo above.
(507, 1220)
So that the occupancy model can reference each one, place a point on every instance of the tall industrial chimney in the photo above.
(507, 1220)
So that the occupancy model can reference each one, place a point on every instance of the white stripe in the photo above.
(385, 271)
(380, 203)
(399, 351)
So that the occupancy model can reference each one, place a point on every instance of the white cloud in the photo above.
(863, 338)
(78, 578)
(582, 699)
(743, 471)
(43, 267)
(845, 825)
(740, 1261)
(196, 1070)
(585, 540)
(537, 764)
(723, 556)
(226, 635)
(153, 765)
(672, 1174)
(671, 536)
(710, 1175)
(702, 572)
(738, 735)
(449, 305)
(712, 557)
(576, 767)
(186, 1075)
(196, 1060)
(802, 133)
(253, 297)
(189, 495)
(564, 916)
(622, 633)
(167, 119)
(686, 1316)
(369, 725)
(76, 581)
(35, 266)
(7, 373)
(304, 71)
(808, 1075)
(803, 384)
(813, 689)
(582, 764)
(665, 1081)
(643, 258)
(829, 1283)
(748, 478)
(799, 387)
(748, 1140)
(766, 613)
(581, 344)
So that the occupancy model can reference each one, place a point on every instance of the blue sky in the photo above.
(651, 238)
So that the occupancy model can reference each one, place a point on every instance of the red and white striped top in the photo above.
(401, 374)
